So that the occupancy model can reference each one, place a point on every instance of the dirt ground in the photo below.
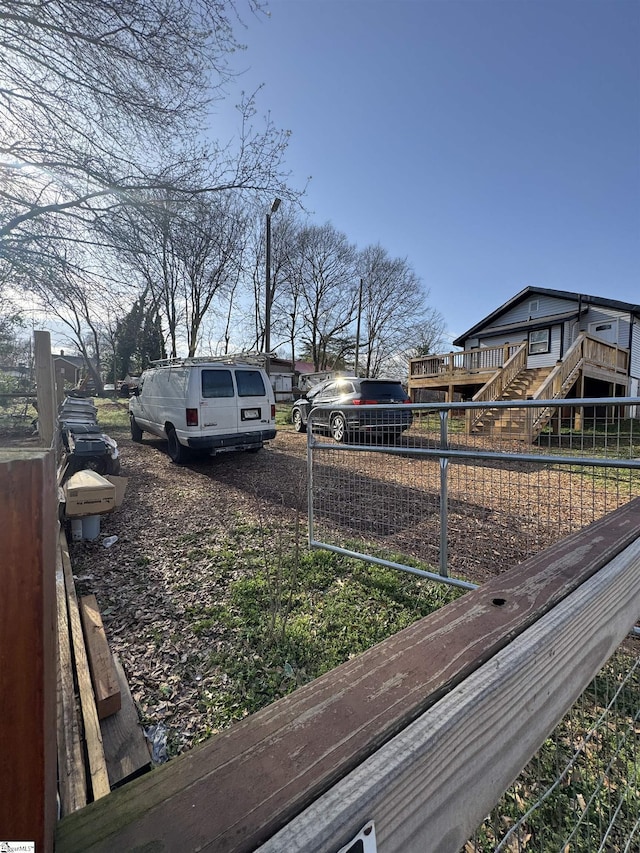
(175, 520)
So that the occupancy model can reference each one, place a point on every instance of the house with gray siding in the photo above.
(541, 344)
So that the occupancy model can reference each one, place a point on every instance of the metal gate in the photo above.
(469, 490)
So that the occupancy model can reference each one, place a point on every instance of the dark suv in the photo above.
(340, 415)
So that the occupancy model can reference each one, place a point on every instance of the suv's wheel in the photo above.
(338, 428)
(136, 432)
(177, 451)
(297, 421)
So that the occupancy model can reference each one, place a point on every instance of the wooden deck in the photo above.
(469, 372)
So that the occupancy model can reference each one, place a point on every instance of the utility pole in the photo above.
(358, 327)
(268, 294)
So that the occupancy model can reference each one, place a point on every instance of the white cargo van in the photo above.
(202, 404)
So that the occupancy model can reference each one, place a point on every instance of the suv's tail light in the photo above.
(365, 402)
(408, 400)
(273, 411)
(192, 417)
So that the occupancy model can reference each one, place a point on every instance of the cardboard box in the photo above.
(121, 486)
(88, 493)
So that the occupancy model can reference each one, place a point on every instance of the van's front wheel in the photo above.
(177, 452)
(136, 432)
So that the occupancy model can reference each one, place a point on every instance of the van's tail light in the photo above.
(365, 402)
(408, 400)
(192, 417)
(273, 411)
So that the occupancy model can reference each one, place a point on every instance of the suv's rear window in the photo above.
(217, 383)
(249, 383)
(382, 390)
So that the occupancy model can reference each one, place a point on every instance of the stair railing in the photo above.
(556, 385)
(496, 386)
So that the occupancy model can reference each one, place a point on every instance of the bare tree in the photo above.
(395, 311)
(69, 296)
(324, 282)
(210, 254)
(100, 102)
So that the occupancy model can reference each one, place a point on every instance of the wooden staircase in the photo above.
(512, 422)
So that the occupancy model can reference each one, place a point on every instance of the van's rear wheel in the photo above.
(136, 432)
(177, 452)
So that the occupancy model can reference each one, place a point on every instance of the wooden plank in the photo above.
(45, 386)
(239, 788)
(431, 786)
(103, 673)
(27, 647)
(97, 766)
(125, 746)
(72, 782)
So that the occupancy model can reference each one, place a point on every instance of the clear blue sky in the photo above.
(494, 144)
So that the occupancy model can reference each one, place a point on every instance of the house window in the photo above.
(539, 341)
(534, 306)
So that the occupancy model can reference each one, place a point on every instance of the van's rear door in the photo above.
(218, 403)
(254, 401)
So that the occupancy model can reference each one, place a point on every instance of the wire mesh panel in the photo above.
(581, 792)
(465, 490)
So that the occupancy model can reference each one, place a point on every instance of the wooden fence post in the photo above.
(28, 647)
(45, 387)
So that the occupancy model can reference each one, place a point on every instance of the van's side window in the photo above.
(250, 383)
(217, 383)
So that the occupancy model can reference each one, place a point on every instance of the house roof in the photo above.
(75, 360)
(537, 323)
(584, 298)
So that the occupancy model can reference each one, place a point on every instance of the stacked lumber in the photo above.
(98, 724)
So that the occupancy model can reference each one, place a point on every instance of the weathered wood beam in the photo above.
(432, 785)
(98, 775)
(103, 672)
(27, 647)
(125, 747)
(239, 788)
(72, 781)
(45, 384)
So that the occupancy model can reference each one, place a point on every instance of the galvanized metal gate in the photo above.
(467, 491)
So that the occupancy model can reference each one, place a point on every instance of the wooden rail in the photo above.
(496, 386)
(584, 350)
(236, 791)
(448, 365)
(431, 786)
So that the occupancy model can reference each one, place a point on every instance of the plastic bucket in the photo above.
(76, 529)
(91, 527)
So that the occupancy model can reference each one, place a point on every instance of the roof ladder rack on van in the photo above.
(257, 359)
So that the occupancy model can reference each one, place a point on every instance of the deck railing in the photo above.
(489, 359)
(481, 360)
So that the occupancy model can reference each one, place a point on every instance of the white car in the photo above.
(208, 405)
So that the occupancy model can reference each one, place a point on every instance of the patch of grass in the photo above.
(283, 415)
(112, 414)
(322, 610)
